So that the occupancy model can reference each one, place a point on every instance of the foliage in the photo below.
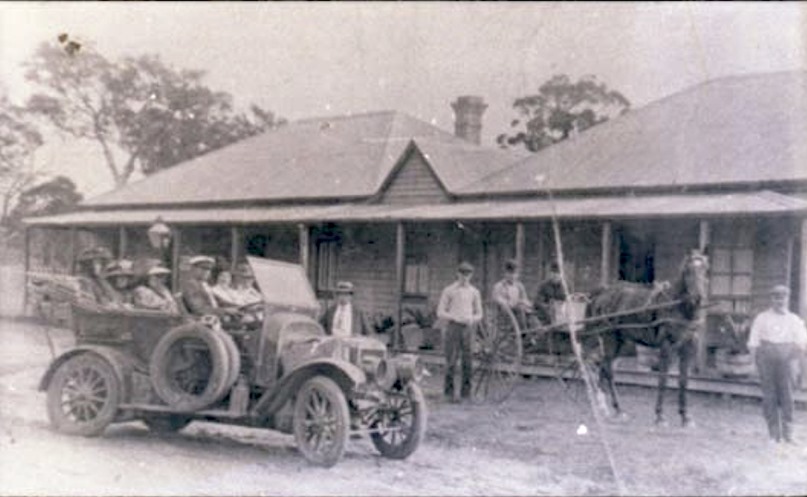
(422, 316)
(144, 114)
(51, 197)
(18, 141)
(560, 107)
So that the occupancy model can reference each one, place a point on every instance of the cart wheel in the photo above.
(400, 423)
(321, 421)
(190, 367)
(166, 423)
(497, 355)
(83, 396)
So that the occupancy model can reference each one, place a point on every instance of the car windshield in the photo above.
(283, 283)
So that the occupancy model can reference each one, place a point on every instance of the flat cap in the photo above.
(158, 270)
(465, 267)
(344, 287)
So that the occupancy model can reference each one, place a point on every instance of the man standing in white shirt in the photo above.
(777, 336)
(344, 319)
(461, 307)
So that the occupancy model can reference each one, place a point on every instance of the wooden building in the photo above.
(393, 203)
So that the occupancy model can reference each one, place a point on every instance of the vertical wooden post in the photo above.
(73, 249)
(176, 240)
(700, 358)
(541, 226)
(605, 268)
(703, 235)
(400, 260)
(123, 241)
(27, 248)
(803, 270)
(304, 237)
(520, 244)
(235, 246)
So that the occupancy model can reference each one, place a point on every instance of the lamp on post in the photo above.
(159, 235)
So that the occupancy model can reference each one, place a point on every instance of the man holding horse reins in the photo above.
(777, 337)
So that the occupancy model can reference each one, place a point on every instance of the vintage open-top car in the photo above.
(279, 371)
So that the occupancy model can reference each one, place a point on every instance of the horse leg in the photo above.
(664, 367)
(610, 351)
(685, 354)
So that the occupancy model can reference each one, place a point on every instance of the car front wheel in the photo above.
(400, 423)
(321, 421)
(83, 395)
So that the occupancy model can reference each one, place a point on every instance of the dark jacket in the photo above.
(359, 321)
(197, 299)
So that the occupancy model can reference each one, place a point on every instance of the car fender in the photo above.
(120, 362)
(345, 374)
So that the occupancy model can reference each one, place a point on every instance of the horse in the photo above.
(668, 323)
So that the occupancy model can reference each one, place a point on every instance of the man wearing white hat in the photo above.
(196, 291)
(154, 294)
(777, 337)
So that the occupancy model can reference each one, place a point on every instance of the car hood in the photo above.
(283, 284)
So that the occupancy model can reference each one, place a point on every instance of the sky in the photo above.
(305, 60)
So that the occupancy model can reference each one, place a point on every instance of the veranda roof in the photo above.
(647, 206)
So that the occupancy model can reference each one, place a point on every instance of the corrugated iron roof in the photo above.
(741, 129)
(329, 157)
(765, 202)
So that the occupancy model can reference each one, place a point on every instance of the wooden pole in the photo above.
(803, 270)
(541, 250)
(235, 246)
(605, 268)
(27, 248)
(304, 237)
(123, 242)
(703, 242)
(520, 244)
(176, 240)
(73, 249)
(400, 259)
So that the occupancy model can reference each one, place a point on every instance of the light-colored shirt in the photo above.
(247, 295)
(460, 302)
(510, 293)
(342, 321)
(777, 327)
(148, 298)
(225, 295)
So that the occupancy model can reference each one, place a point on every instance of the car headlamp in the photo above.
(409, 368)
(380, 371)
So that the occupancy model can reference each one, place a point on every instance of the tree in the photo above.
(145, 115)
(559, 107)
(18, 141)
(54, 196)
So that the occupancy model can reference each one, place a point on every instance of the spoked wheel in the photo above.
(190, 367)
(400, 422)
(83, 396)
(321, 421)
(497, 355)
(166, 423)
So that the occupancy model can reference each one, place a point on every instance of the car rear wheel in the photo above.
(166, 423)
(400, 423)
(190, 367)
(321, 421)
(83, 395)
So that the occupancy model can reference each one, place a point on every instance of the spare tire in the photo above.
(190, 367)
(233, 354)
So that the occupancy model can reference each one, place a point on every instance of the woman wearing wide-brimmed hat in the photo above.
(154, 294)
(91, 277)
(119, 275)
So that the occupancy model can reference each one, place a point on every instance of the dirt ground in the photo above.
(527, 446)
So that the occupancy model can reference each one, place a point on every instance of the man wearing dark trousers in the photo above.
(777, 336)
(461, 308)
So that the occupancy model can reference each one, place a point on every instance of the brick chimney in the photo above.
(468, 112)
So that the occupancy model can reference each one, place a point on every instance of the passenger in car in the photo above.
(93, 284)
(196, 291)
(223, 291)
(154, 294)
(119, 276)
(244, 285)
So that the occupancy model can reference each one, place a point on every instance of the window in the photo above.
(732, 268)
(327, 260)
(416, 277)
